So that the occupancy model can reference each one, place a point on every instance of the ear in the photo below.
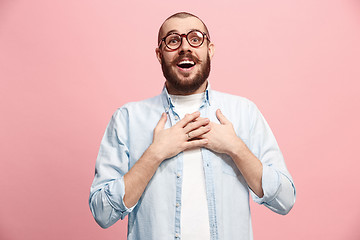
(158, 54)
(211, 49)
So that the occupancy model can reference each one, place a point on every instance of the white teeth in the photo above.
(186, 62)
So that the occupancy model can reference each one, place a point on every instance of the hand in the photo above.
(222, 137)
(183, 135)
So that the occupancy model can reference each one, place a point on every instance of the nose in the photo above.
(185, 46)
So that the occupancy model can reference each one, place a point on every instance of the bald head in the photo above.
(161, 33)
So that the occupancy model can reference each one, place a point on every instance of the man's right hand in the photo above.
(182, 136)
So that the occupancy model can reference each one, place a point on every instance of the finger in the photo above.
(198, 118)
(188, 118)
(221, 117)
(199, 132)
(196, 124)
(161, 123)
(196, 143)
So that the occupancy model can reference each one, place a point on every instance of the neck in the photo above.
(173, 91)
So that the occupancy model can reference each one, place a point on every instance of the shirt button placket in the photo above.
(178, 200)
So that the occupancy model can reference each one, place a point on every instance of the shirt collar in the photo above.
(167, 100)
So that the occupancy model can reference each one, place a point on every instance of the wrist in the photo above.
(238, 149)
(155, 153)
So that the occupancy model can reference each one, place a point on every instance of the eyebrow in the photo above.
(176, 31)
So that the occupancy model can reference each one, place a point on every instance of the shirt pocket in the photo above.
(228, 166)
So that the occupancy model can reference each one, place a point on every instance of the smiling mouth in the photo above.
(186, 64)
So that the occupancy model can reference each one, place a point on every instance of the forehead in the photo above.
(182, 25)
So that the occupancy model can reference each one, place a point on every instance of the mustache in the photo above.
(188, 56)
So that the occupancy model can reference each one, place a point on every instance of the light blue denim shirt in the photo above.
(157, 213)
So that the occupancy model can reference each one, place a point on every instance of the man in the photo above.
(189, 174)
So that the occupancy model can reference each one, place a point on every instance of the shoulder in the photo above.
(139, 111)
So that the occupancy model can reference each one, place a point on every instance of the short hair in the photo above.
(183, 15)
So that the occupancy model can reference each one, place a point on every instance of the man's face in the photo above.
(181, 78)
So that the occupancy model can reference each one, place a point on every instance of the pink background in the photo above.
(65, 66)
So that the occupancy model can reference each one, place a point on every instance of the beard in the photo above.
(186, 86)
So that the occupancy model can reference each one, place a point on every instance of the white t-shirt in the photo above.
(194, 208)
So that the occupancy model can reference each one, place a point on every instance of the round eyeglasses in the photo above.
(174, 40)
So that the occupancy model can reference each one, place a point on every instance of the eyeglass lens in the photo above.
(194, 38)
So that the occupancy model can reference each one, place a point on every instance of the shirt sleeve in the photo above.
(277, 183)
(108, 188)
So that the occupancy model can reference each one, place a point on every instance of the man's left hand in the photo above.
(222, 137)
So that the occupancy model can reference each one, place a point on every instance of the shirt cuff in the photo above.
(270, 185)
(115, 192)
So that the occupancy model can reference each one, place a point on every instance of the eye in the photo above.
(195, 40)
(172, 40)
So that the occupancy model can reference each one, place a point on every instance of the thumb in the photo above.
(221, 117)
(161, 123)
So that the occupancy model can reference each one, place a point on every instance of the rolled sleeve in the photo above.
(115, 193)
(277, 184)
(108, 188)
(270, 184)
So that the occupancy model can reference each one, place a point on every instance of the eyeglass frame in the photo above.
(186, 37)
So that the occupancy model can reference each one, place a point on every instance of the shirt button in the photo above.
(177, 235)
(178, 175)
(176, 117)
(177, 204)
